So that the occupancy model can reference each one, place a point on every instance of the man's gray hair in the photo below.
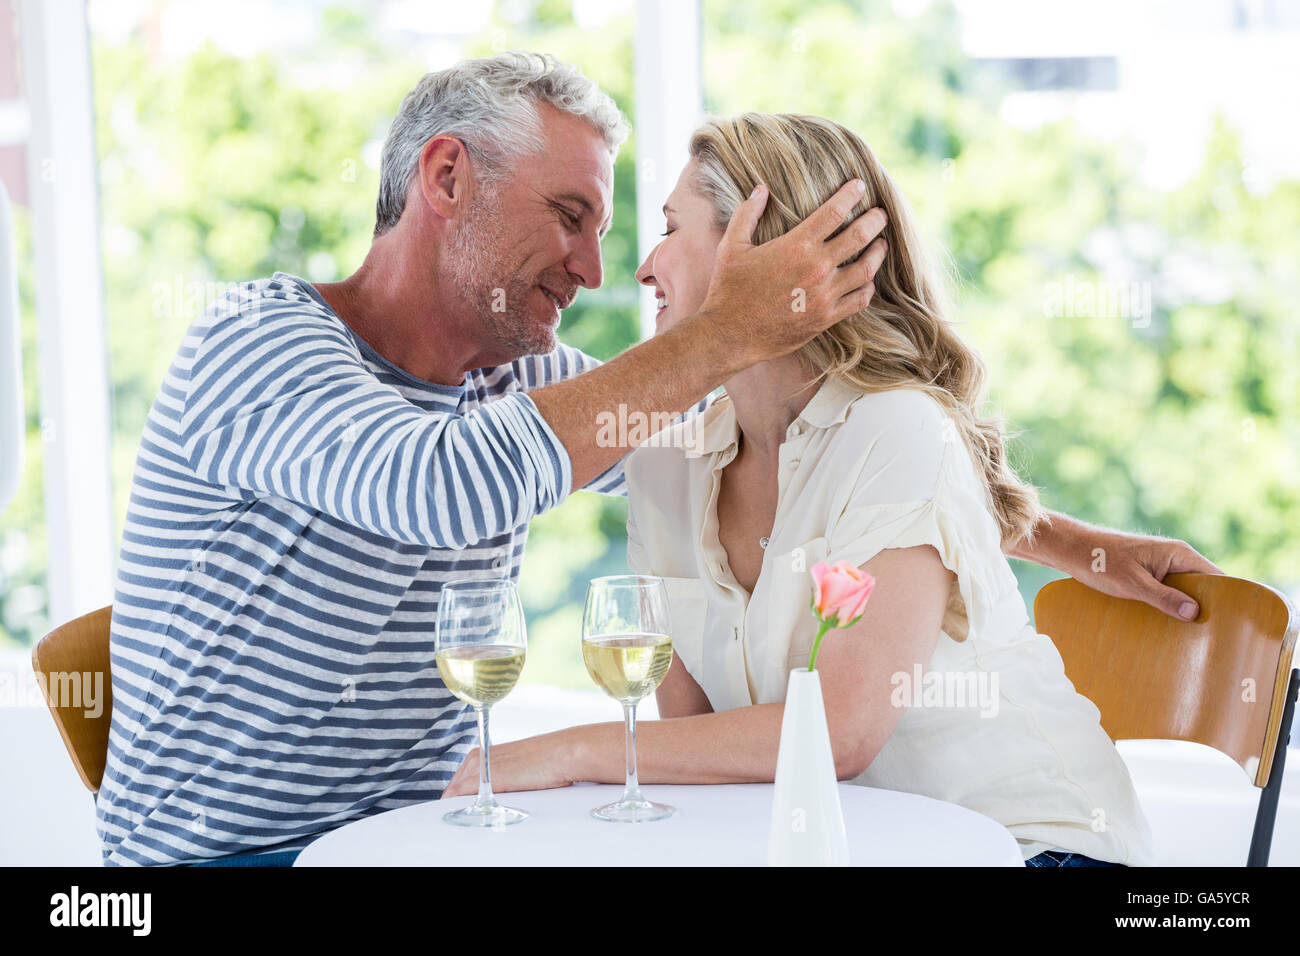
(490, 105)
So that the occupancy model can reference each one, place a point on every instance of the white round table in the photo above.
(714, 826)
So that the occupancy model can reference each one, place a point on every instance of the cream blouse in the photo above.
(860, 473)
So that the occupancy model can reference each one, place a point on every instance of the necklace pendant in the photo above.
(762, 542)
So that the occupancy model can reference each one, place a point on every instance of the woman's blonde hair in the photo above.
(902, 340)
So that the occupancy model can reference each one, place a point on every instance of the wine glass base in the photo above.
(492, 816)
(633, 811)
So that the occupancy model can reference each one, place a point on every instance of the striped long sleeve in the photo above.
(276, 407)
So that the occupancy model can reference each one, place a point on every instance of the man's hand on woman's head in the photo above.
(770, 299)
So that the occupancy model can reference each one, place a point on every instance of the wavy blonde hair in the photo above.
(902, 339)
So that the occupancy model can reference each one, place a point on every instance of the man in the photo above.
(320, 460)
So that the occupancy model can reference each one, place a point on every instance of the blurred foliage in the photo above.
(217, 169)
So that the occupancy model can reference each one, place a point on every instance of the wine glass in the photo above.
(480, 647)
(627, 647)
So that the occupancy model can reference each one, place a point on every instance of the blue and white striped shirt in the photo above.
(297, 503)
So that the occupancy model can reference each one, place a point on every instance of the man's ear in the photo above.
(444, 175)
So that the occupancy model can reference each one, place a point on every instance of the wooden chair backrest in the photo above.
(1219, 680)
(64, 660)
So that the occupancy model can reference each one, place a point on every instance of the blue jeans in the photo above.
(281, 858)
(1065, 858)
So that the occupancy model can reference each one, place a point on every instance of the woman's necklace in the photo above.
(764, 541)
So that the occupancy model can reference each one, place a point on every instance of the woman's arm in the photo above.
(898, 631)
(679, 695)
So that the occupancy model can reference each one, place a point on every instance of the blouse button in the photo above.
(497, 562)
(735, 633)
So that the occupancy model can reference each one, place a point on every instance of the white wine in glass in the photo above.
(628, 668)
(482, 675)
(480, 649)
(627, 647)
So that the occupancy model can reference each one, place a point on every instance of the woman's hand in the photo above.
(534, 763)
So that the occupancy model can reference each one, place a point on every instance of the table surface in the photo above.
(714, 826)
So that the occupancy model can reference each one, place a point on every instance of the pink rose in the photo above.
(840, 592)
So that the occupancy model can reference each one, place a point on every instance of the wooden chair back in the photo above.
(66, 662)
(1220, 680)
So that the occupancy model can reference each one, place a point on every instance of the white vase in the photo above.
(807, 823)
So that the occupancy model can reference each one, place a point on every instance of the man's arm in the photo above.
(747, 317)
(566, 362)
(283, 406)
(1123, 565)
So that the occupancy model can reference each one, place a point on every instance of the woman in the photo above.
(867, 445)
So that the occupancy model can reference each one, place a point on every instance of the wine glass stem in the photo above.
(485, 798)
(632, 791)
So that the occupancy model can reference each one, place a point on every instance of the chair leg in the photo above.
(1262, 839)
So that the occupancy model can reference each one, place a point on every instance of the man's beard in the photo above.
(497, 294)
